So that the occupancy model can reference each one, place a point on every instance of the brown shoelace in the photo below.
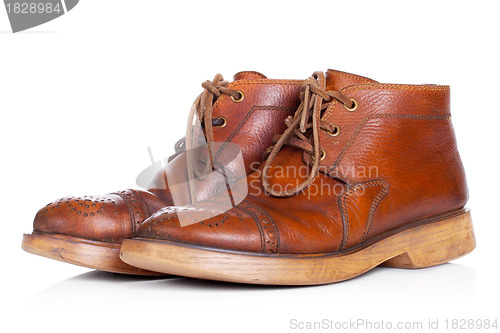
(314, 100)
(203, 107)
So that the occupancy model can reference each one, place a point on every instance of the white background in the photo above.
(83, 96)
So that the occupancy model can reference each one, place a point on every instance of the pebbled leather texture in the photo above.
(394, 161)
(251, 124)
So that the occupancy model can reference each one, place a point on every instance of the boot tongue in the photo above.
(336, 80)
(248, 75)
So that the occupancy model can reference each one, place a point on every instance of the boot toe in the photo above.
(235, 229)
(108, 218)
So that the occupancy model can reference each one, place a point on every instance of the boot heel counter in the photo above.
(462, 190)
(451, 176)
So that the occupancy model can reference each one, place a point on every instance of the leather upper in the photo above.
(251, 124)
(108, 218)
(393, 162)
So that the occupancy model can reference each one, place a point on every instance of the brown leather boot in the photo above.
(365, 174)
(88, 230)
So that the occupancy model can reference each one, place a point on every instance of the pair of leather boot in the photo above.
(356, 174)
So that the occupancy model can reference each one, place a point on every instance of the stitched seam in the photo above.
(345, 222)
(265, 81)
(258, 81)
(257, 222)
(243, 122)
(330, 108)
(386, 86)
(249, 114)
(382, 115)
(251, 72)
(130, 211)
(413, 116)
(349, 76)
(378, 198)
(343, 199)
(380, 86)
(272, 223)
(348, 224)
(143, 203)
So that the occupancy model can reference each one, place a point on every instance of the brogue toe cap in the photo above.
(108, 218)
(232, 230)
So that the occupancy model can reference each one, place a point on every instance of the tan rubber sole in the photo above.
(82, 252)
(421, 244)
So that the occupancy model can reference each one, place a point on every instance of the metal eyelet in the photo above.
(224, 122)
(354, 105)
(323, 155)
(334, 132)
(237, 100)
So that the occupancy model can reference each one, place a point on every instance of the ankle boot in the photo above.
(88, 230)
(365, 174)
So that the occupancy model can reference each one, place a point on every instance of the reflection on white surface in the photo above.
(447, 281)
(179, 304)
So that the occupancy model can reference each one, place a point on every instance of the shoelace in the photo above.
(314, 99)
(203, 107)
